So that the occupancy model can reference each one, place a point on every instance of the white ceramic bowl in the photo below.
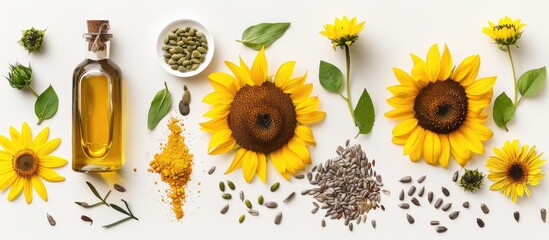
(182, 23)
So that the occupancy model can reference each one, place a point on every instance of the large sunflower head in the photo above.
(24, 162)
(507, 32)
(262, 117)
(344, 32)
(514, 168)
(441, 110)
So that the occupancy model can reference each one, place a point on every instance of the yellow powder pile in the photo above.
(174, 164)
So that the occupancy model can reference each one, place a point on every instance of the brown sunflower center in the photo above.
(441, 106)
(517, 172)
(25, 163)
(262, 118)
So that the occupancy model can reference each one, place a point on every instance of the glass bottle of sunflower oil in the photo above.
(96, 107)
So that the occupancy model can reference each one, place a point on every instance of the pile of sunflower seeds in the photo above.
(347, 187)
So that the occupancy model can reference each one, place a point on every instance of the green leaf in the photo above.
(118, 208)
(364, 113)
(503, 110)
(46, 104)
(263, 34)
(160, 106)
(94, 191)
(117, 222)
(330, 76)
(531, 82)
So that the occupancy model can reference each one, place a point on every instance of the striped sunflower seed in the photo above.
(411, 191)
(289, 197)
(441, 229)
(453, 215)
(406, 179)
(543, 214)
(211, 171)
(278, 218)
(410, 219)
(430, 197)
(438, 203)
(421, 191)
(434, 223)
(271, 204)
(404, 205)
(401, 196)
(465, 204)
(253, 212)
(455, 177)
(421, 179)
(415, 201)
(516, 215)
(224, 209)
(480, 223)
(484, 208)
(51, 220)
(445, 192)
(446, 206)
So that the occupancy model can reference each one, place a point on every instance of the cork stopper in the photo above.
(95, 26)
(98, 34)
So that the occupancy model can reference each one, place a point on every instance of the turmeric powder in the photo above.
(174, 164)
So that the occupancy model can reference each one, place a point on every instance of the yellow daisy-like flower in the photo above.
(441, 109)
(24, 162)
(514, 168)
(262, 118)
(506, 32)
(344, 32)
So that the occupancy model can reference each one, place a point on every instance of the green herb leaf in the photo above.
(364, 113)
(330, 76)
(118, 208)
(160, 106)
(503, 111)
(46, 104)
(94, 191)
(531, 82)
(117, 222)
(263, 34)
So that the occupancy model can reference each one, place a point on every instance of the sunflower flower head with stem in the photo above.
(506, 33)
(344, 32)
(24, 162)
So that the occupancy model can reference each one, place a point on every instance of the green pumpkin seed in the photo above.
(226, 196)
(166, 40)
(275, 186)
(176, 57)
(242, 218)
(178, 49)
(182, 69)
(188, 56)
(187, 29)
(222, 186)
(186, 62)
(260, 199)
(194, 60)
(191, 42)
(248, 204)
(186, 97)
(179, 31)
(166, 48)
(173, 51)
(185, 35)
(172, 42)
(168, 55)
(204, 45)
(195, 66)
(191, 32)
(202, 50)
(196, 54)
(202, 58)
(199, 34)
(180, 61)
(172, 36)
(175, 30)
(167, 60)
(174, 67)
(231, 185)
(180, 43)
(172, 62)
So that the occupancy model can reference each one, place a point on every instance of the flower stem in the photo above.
(516, 100)
(347, 84)
(32, 90)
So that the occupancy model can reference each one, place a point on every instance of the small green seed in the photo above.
(202, 50)
(189, 67)
(195, 66)
(180, 61)
(231, 185)
(203, 40)
(188, 56)
(199, 34)
(174, 67)
(204, 45)
(179, 49)
(202, 58)
(260, 199)
(187, 29)
(175, 30)
(172, 42)
(191, 32)
(173, 51)
(172, 62)
(242, 218)
(194, 60)
(248, 204)
(180, 43)
(227, 196)
(172, 36)
(192, 43)
(196, 54)
(166, 40)
(179, 31)
(190, 48)
(182, 69)
(176, 57)
(166, 48)
(222, 186)
(186, 97)
(185, 35)
(167, 60)
(275, 186)
(187, 62)
(167, 55)
(196, 39)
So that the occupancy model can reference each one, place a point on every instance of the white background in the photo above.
(393, 30)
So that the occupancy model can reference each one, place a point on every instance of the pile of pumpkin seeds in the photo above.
(347, 187)
(185, 49)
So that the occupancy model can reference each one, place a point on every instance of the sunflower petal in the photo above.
(26, 136)
(49, 147)
(16, 137)
(405, 127)
(300, 150)
(295, 83)
(419, 71)
(52, 161)
(16, 188)
(284, 74)
(301, 93)
(311, 117)
(304, 135)
(262, 167)
(467, 71)
(446, 64)
(278, 161)
(293, 162)
(241, 75)
(9, 146)
(444, 151)
(49, 175)
(221, 142)
(403, 77)
(218, 97)
(431, 148)
(214, 125)
(481, 86)
(7, 180)
(433, 63)
(260, 68)
(41, 138)
(224, 82)
(39, 187)
(237, 161)
(27, 190)
(249, 164)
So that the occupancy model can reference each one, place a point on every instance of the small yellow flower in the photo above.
(506, 33)
(24, 162)
(514, 168)
(343, 32)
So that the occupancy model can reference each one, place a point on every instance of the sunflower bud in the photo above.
(32, 39)
(19, 76)
(471, 180)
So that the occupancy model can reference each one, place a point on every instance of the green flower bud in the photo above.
(471, 180)
(19, 76)
(32, 39)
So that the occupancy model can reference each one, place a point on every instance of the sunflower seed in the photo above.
(455, 177)
(351, 227)
(484, 208)
(421, 179)
(289, 198)
(226, 196)
(445, 191)
(430, 197)
(241, 195)
(305, 192)
(278, 218)
(314, 210)
(323, 223)
(231, 185)
(211, 171)
(382, 207)
(434, 223)
(222, 186)
(404, 205)
(516, 215)
(374, 224)
(241, 218)
(543, 214)
(465, 204)
(441, 229)
(421, 191)
(299, 176)
(86, 219)
(275, 186)
(415, 201)
(411, 191)
(386, 192)
(271, 204)
(453, 215)
(438, 203)
(248, 204)
(119, 187)
(401, 196)
(224, 209)
(50, 219)
(410, 219)
(359, 219)
(406, 179)
(253, 212)
(480, 223)
(310, 175)
(446, 206)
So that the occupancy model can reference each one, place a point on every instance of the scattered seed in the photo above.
(305, 192)
(441, 229)
(323, 223)
(453, 215)
(86, 219)
(83, 204)
(421, 179)
(314, 210)
(275, 186)
(430, 197)
(224, 209)
(241, 218)
(271, 204)
(446, 206)
(401, 196)
(351, 227)
(516, 214)
(382, 207)
(421, 191)
(434, 223)
(299, 176)
(248, 204)
(445, 191)
(465, 204)
(50, 219)
(484, 208)
(119, 187)
(410, 219)
(260, 199)
(374, 224)
(289, 198)
(438, 203)
(415, 201)
(253, 212)
(480, 223)
(222, 186)
(386, 192)
(411, 191)
(406, 179)
(241, 195)
(231, 185)
(404, 205)
(278, 218)
(455, 177)
(226, 196)
(211, 171)
(543, 213)
(310, 175)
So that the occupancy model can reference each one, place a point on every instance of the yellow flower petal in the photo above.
(215, 125)
(444, 151)
(431, 148)
(219, 139)
(262, 167)
(39, 187)
(48, 148)
(52, 161)
(433, 63)
(16, 188)
(27, 190)
(8, 145)
(284, 74)
(405, 127)
(419, 71)
(311, 117)
(241, 74)
(295, 83)
(446, 64)
(26, 136)
(41, 138)
(224, 82)
(218, 97)
(304, 135)
(16, 137)
(300, 150)
(237, 161)
(249, 164)
(278, 161)
(467, 71)
(219, 111)
(7, 179)
(302, 93)
(481, 86)
(49, 175)
(260, 68)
